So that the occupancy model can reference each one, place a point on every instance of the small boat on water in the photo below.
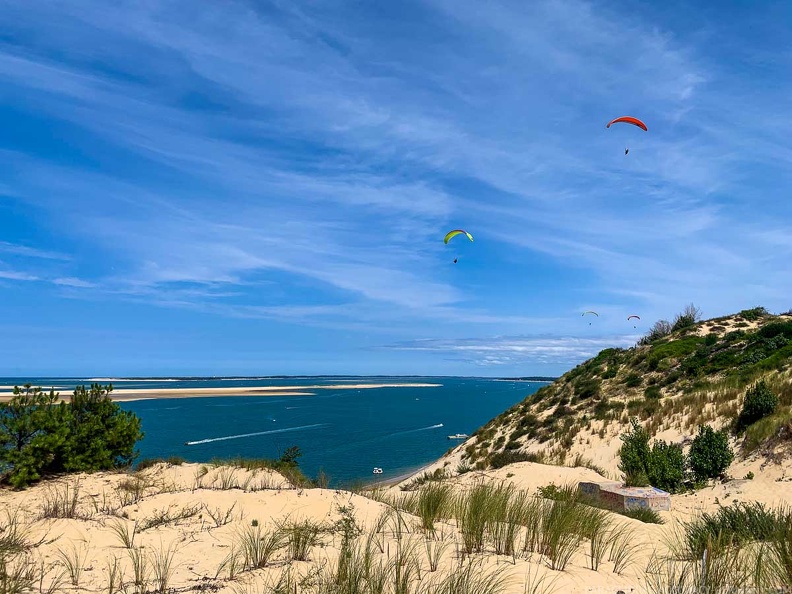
(377, 470)
(459, 436)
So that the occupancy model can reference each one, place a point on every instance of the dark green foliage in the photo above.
(662, 465)
(759, 402)
(710, 454)
(652, 392)
(675, 349)
(710, 339)
(635, 456)
(672, 378)
(587, 389)
(289, 457)
(40, 435)
(776, 329)
(502, 459)
(753, 314)
(740, 524)
(687, 319)
(103, 435)
(667, 466)
(633, 380)
(610, 372)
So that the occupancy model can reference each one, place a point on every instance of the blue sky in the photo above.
(194, 187)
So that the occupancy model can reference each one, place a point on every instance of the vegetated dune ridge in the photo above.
(694, 376)
(128, 394)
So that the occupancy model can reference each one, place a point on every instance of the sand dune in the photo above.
(196, 514)
(138, 393)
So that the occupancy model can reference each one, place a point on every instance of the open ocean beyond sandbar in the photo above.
(345, 432)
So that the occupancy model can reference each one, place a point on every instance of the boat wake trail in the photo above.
(200, 441)
(415, 430)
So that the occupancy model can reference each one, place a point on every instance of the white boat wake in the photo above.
(212, 439)
(420, 429)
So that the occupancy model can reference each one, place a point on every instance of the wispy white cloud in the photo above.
(516, 350)
(31, 252)
(290, 162)
(15, 275)
(73, 282)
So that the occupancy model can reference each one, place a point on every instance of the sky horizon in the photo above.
(263, 187)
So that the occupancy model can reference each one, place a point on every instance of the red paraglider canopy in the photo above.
(628, 120)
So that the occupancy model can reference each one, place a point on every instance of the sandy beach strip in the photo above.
(129, 394)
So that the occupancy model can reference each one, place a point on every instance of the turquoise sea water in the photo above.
(346, 432)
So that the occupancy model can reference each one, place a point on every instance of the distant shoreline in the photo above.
(392, 482)
(130, 394)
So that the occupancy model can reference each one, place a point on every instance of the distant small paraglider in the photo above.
(626, 151)
(631, 317)
(456, 260)
(590, 312)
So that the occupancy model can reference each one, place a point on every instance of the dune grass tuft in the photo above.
(162, 565)
(73, 560)
(257, 545)
(432, 502)
(63, 501)
(301, 537)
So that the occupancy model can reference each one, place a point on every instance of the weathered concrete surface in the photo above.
(619, 498)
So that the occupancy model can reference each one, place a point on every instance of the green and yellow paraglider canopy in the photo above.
(456, 232)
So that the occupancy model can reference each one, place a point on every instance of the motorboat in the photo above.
(377, 470)
(458, 436)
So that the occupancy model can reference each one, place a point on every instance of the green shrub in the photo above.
(662, 465)
(652, 392)
(40, 435)
(753, 314)
(759, 402)
(687, 319)
(587, 389)
(667, 466)
(502, 459)
(633, 380)
(710, 454)
(635, 455)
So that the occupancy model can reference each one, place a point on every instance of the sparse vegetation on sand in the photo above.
(728, 379)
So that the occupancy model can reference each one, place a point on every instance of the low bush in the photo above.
(40, 435)
(501, 459)
(652, 392)
(759, 402)
(710, 454)
(687, 319)
(753, 314)
(633, 380)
